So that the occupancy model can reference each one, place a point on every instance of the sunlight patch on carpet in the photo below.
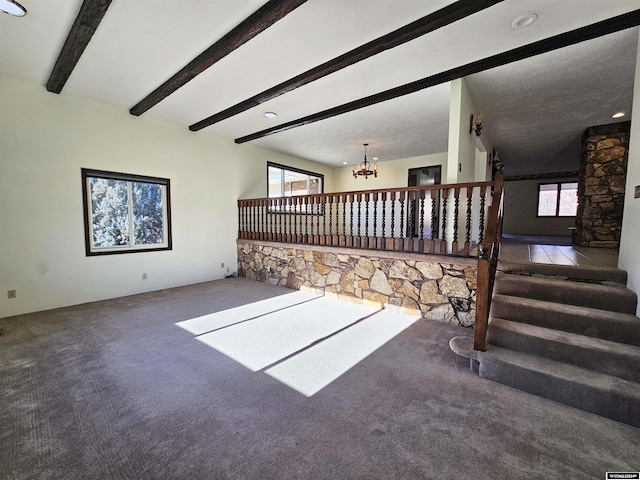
(265, 340)
(303, 340)
(315, 368)
(214, 321)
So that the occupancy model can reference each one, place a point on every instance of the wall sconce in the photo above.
(476, 124)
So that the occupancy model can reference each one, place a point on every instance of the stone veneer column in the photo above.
(601, 185)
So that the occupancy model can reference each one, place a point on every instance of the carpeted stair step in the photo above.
(594, 392)
(616, 359)
(568, 272)
(605, 297)
(592, 322)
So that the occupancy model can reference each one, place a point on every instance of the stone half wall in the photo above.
(437, 287)
(601, 185)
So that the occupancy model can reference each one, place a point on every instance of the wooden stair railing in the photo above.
(441, 219)
(488, 252)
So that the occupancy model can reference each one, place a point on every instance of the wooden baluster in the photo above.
(483, 193)
(245, 219)
(280, 219)
(443, 239)
(411, 208)
(312, 218)
(263, 220)
(294, 201)
(336, 235)
(282, 237)
(290, 237)
(311, 207)
(467, 238)
(247, 214)
(403, 195)
(274, 218)
(421, 232)
(239, 219)
(327, 219)
(323, 238)
(258, 211)
(332, 205)
(316, 220)
(283, 220)
(365, 241)
(307, 240)
(392, 198)
(266, 218)
(265, 207)
(344, 219)
(255, 220)
(249, 219)
(287, 219)
(374, 240)
(456, 212)
(434, 221)
(359, 197)
(292, 220)
(383, 199)
(351, 236)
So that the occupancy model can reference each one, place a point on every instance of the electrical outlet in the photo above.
(222, 265)
(11, 294)
(144, 276)
(227, 269)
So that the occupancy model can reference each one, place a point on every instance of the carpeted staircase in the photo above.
(569, 334)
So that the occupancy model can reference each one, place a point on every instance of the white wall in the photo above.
(46, 139)
(462, 144)
(629, 258)
(391, 174)
(521, 210)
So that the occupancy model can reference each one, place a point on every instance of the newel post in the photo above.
(482, 298)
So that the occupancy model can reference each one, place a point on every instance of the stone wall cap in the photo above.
(399, 254)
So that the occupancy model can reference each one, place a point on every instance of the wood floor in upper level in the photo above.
(555, 250)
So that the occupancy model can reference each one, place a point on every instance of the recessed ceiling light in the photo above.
(345, 163)
(269, 114)
(375, 159)
(524, 20)
(11, 7)
(618, 115)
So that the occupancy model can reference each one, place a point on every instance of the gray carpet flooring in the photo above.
(115, 390)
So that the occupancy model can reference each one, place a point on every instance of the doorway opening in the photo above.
(422, 177)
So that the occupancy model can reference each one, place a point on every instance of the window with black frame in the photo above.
(125, 213)
(558, 199)
(283, 181)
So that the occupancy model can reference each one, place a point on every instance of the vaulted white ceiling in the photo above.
(535, 110)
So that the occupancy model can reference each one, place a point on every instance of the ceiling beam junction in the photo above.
(84, 26)
(589, 32)
(443, 17)
(250, 27)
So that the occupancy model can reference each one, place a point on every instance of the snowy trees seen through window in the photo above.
(125, 213)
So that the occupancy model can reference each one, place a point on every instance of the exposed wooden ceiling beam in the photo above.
(595, 30)
(253, 25)
(429, 23)
(85, 25)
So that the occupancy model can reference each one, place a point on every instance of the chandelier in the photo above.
(365, 166)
